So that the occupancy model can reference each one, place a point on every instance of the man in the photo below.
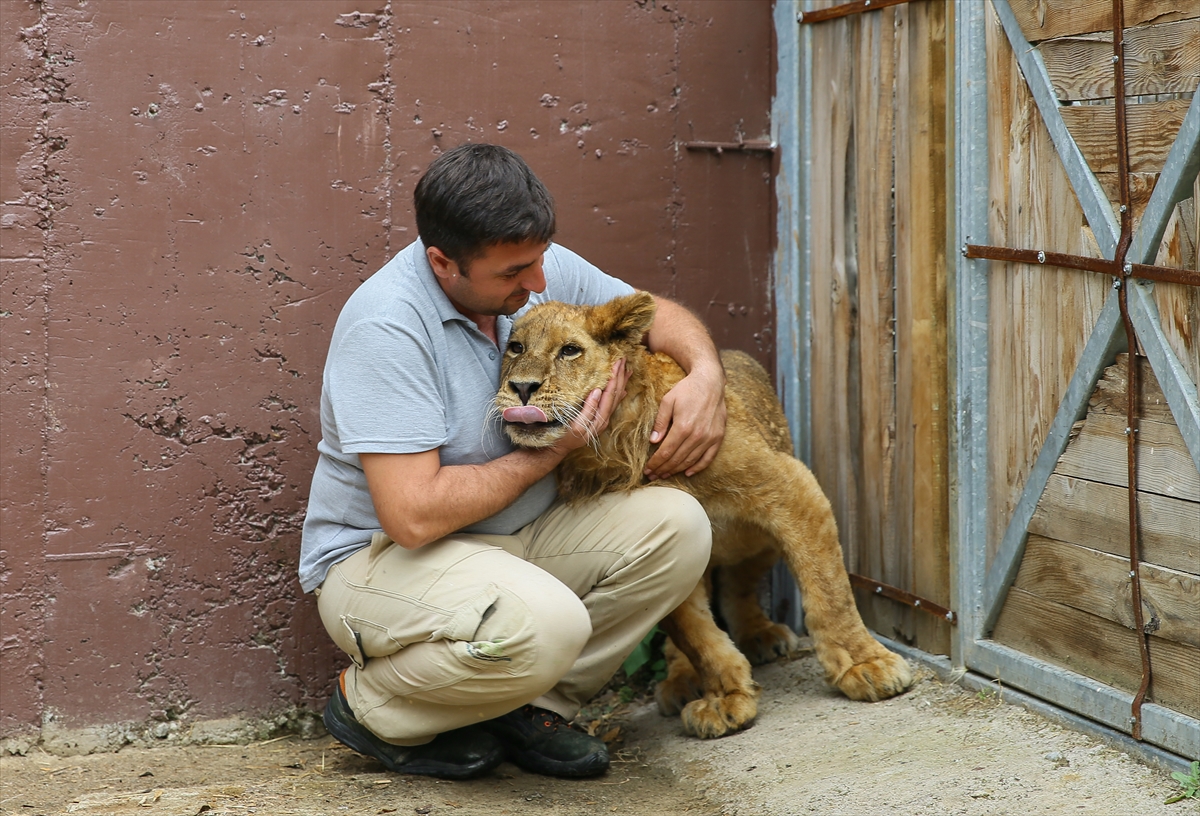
(479, 613)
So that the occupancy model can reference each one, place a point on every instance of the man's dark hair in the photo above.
(477, 195)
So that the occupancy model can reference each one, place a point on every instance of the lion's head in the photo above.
(557, 354)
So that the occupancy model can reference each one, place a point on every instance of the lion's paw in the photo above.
(877, 679)
(769, 644)
(676, 692)
(715, 716)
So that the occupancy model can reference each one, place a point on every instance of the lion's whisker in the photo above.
(491, 420)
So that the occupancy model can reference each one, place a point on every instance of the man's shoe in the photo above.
(460, 754)
(543, 742)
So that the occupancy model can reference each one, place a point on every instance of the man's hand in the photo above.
(597, 411)
(691, 425)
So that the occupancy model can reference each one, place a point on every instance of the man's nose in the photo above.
(534, 279)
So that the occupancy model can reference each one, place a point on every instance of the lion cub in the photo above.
(762, 502)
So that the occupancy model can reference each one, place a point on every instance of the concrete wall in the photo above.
(190, 192)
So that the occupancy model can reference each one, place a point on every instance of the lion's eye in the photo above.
(570, 350)
(515, 348)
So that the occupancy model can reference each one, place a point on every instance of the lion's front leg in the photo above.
(728, 695)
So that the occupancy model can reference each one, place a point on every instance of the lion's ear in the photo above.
(622, 319)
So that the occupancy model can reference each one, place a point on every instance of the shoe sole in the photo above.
(356, 741)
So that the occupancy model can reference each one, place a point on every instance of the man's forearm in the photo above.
(415, 507)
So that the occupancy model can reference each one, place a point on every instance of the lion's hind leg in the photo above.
(757, 637)
(857, 664)
(681, 685)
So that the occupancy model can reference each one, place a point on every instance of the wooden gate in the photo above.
(1069, 218)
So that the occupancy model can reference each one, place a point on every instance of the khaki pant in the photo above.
(473, 626)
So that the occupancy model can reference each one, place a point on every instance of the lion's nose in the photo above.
(524, 389)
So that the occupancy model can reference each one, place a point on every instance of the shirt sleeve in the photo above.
(571, 279)
(385, 391)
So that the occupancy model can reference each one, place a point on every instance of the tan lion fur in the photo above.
(763, 504)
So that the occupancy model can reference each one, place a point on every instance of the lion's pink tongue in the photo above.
(525, 414)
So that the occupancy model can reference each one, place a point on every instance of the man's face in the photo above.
(497, 283)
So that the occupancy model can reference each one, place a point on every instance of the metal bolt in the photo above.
(950, 616)
(1124, 208)
(1132, 574)
(1116, 58)
(878, 590)
(917, 602)
(1116, 283)
(1128, 269)
(1041, 256)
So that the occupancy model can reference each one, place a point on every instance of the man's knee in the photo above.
(686, 525)
(543, 628)
(674, 539)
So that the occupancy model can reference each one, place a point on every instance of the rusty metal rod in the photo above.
(1103, 266)
(749, 146)
(844, 10)
(1132, 391)
(904, 597)
(1132, 380)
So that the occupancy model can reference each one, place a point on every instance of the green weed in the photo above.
(1190, 784)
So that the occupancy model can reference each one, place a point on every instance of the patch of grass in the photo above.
(1190, 783)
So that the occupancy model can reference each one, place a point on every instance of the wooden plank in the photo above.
(1141, 187)
(1100, 649)
(1152, 128)
(1043, 20)
(1109, 396)
(921, 329)
(1096, 516)
(1179, 316)
(1098, 453)
(907, 70)
(1178, 247)
(1159, 59)
(874, 248)
(831, 292)
(1099, 583)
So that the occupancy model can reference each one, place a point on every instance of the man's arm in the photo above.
(418, 500)
(692, 414)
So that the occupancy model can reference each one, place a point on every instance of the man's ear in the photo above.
(622, 319)
(443, 267)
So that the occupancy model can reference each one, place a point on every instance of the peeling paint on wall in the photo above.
(191, 191)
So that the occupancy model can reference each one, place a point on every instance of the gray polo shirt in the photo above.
(407, 373)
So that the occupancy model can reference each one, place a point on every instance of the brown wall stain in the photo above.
(192, 189)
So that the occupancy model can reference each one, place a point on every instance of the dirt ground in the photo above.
(939, 750)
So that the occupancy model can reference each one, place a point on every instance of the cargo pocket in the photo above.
(501, 641)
